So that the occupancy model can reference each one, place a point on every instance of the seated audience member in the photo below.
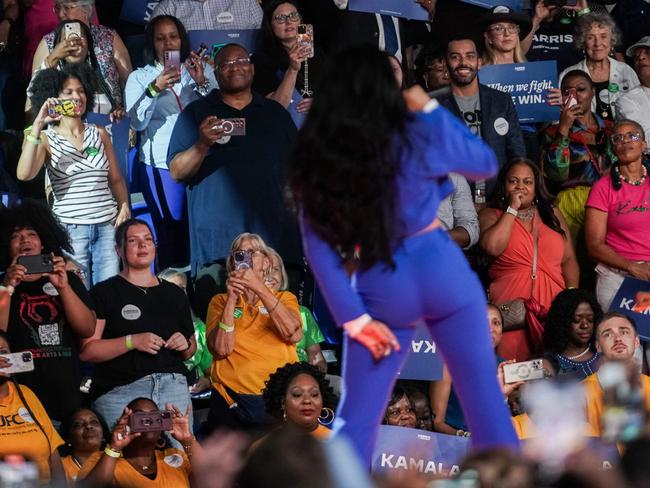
(137, 459)
(633, 20)
(284, 70)
(154, 98)
(251, 331)
(400, 411)
(200, 363)
(488, 113)
(635, 105)
(31, 434)
(448, 417)
(616, 340)
(422, 409)
(597, 35)
(84, 433)
(48, 312)
(300, 395)
(144, 331)
(308, 347)
(569, 332)
(89, 195)
(618, 215)
(520, 229)
(576, 151)
(458, 214)
(212, 14)
(432, 69)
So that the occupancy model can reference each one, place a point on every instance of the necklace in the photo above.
(527, 215)
(638, 182)
(578, 356)
(75, 461)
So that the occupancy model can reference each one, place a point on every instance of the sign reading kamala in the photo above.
(528, 84)
(119, 132)
(249, 38)
(401, 448)
(513, 4)
(633, 299)
(423, 362)
(407, 9)
(138, 11)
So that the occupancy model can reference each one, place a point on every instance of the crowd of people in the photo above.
(181, 346)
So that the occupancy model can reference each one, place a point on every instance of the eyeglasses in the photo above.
(501, 29)
(627, 137)
(65, 8)
(284, 18)
(239, 63)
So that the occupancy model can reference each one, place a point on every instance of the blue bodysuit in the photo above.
(432, 282)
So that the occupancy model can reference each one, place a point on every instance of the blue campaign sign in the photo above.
(119, 132)
(513, 4)
(249, 38)
(633, 299)
(401, 448)
(424, 362)
(407, 9)
(138, 11)
(527, 83)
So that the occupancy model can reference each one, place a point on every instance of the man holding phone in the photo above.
(232, 149)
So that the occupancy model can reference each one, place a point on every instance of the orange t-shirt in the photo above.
(71, 469)
(19, 434)
(524, 427)
(173, 471)
(594, 394)
(258, 351)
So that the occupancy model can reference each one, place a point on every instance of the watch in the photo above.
(512, 211)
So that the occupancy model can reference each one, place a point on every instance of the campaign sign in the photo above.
(407, 9)
(513, 4)
(119, 132)
(213, 39)
(138, 11)
(527, 84)
(633, 299)
(423, 362)
(401, 448)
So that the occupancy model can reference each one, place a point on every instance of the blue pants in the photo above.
(432, 282)
(94, 249)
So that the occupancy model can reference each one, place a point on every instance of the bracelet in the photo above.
(129, 342)
(275, 306)
(227, 328)
(34, 140)
(512, 211)
(204, 88)
(584, 11)
(152, 91)
(27, 129)
(354, 327)
(110, 452)
(189, 446)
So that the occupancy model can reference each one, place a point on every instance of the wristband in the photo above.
(110, 452)
(129, 342)
(354, 327)
(34, 140)
(227, 328)
(584, 11)
(512, 211)
(152, 91)
(27, 129)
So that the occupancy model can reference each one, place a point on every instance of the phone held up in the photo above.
(41, 263)
(305, 37)
(172, 59)
(155, 421)
(243, 260)
(19, 362)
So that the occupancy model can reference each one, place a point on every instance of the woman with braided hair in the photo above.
(618, 215)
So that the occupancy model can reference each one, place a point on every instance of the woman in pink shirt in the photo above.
(618, 215)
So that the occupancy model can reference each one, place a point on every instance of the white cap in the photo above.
(643, 42)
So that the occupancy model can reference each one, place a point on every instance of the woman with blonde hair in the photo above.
(503, 29)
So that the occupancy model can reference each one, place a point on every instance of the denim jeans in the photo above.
(161, 388)
(94, 249)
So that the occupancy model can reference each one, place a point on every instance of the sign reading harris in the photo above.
(513, 4)
(423, 362)
(528, 84)
(401, 448)
(119, 132)
(633, 299)
(407, 9)
(138, 11)
(249, 38)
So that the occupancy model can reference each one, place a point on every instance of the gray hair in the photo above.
(631, 122)
(256, 240)
(284, 283)
(600, 19)
(86, 4)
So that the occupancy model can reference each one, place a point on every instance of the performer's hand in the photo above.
(378, 339)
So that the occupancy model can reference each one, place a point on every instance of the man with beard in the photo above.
(488, 113)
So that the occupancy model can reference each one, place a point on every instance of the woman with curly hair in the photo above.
(299, 393)
(368, 173)
(88, 191)
(569, 332)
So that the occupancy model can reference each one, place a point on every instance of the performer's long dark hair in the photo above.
(347, 157)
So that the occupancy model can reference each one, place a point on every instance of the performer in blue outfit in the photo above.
(368, 173)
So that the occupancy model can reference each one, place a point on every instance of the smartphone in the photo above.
(570, 97)
(19, 362)
(41, 263)
(155, 421)
(72, 30)
(524, 371)
(67, 108)
(173, 59)
(305, 37)
(243, 260)
(232, 127)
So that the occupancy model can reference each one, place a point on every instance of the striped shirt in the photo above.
(80, 179)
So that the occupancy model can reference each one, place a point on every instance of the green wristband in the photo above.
(129, 342)
(227, 328)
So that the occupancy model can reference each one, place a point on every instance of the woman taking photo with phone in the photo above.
(49, 312)
(154, 97)
(89, 195)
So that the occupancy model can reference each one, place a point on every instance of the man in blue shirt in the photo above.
(235, 183)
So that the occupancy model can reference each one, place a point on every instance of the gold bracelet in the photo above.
(110, 452)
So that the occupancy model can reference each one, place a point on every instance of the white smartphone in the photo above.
(19, 362)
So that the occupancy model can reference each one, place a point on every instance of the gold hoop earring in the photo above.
(326, 416)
